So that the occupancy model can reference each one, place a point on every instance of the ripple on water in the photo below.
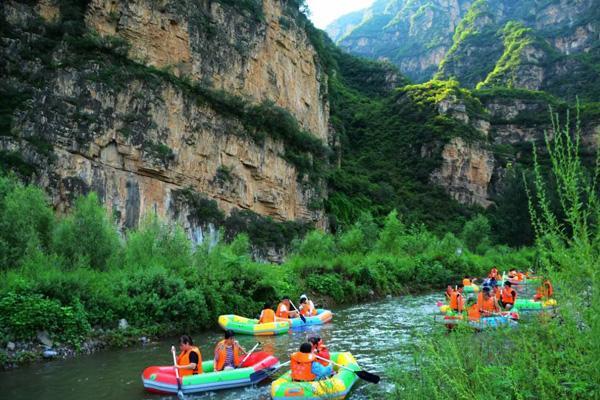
(379, 334)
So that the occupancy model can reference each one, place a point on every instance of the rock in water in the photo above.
(44, 338)
(10, 346)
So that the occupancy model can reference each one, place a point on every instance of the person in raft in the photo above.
(488, 304)
(305, 366)
(228, 353)
(319, 349)
(493, 274)
(469, 281)
(267, 315)
(189, 361)
(284, 309)
(307, 307)
(544, 292)
(457, 301)
(508, 296)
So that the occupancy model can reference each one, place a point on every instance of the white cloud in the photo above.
(323, 12)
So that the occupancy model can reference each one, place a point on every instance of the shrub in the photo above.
(476, 233)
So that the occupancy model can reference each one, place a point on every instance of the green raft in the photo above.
(247, 326)
(336, 387)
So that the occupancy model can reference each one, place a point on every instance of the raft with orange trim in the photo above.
(256, 368)
(322, 317)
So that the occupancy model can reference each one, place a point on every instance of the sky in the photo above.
(323, 12)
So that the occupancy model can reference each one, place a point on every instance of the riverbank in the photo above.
(74, 276)
(115, 373)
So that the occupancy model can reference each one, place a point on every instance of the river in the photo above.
(379, 335)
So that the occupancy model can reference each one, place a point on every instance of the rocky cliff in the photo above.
(143, 100)
(538, 45)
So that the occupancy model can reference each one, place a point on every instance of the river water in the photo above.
(378, 334)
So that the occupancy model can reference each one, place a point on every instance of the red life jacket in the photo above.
(323, 352)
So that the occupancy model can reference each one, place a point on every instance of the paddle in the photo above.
(179, 391)
(248, 355)
(298, 311)
(257, 374)
(364, 375)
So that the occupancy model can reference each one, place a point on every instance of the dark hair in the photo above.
(267, 305)
(186, 339)
(303, 300)
(305, 348)
(285, 298)
(314, 339)
(229, 334)
(507, 283)
(460, 285)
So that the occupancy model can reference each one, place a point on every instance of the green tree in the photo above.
(476, 232)
(87, 235)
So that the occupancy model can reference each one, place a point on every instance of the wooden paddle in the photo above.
(179, 391)
(364, 375)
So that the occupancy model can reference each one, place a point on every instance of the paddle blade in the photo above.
(367, 376)
(302, 318)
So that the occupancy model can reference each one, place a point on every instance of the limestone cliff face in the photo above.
(140, 140)
(466, 172)
(264, 57)
(414, 35)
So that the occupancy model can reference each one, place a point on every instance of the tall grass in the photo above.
(548, 358)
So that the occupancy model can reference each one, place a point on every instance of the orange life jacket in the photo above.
(466, 282)
(301, 366)
(545, 291)
(267, 315)
(282, 311)
(308, 309)
(473, 312)
(520, 276)
(184, 359)
(323, 352)
(497, 293)
(457, 301)
(221, 355)
(489, 305)
(507, 296)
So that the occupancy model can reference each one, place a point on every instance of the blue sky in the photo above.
(324, 12)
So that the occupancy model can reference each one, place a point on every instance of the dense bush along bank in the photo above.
(75, 276)
(549, 358)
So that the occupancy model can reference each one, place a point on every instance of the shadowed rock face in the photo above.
(136, 139)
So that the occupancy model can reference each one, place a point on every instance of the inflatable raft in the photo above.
(492, 323)
(336, 387)
(529, 305)
(163, 380)
(247, 326)
(322, 317)
(471, 289)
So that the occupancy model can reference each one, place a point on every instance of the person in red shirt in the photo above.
(319, 349)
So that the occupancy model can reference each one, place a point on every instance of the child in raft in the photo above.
(319, 349)
(305, 367)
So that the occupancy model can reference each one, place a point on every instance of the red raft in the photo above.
(256, 368)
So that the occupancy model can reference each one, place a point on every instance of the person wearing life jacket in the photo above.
(267, 315)
(457, 301)
(307, 307)
(304, 365)
(319, 349)
(489, 304)
(493, 273)
(449, 292)
(189, 361)
(228, 353)
(508, 296)
(284, 309)
(544, 292)
(467, 281)
(473, 310)
(512, 273)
